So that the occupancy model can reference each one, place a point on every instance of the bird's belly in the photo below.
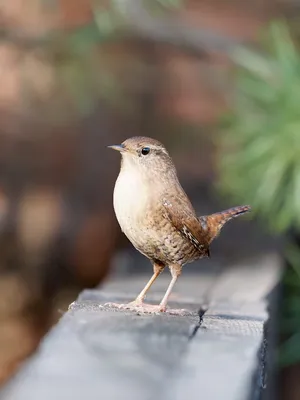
(145, 225)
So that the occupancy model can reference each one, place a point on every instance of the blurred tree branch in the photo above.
(171, 31)
(134, 21)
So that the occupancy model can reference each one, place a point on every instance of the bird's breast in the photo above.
(130, 201)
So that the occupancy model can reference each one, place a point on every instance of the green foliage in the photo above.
(83, 71)
(261, 141)
(290, 315)
(260, 161)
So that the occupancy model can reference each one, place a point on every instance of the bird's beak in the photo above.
(117, 147)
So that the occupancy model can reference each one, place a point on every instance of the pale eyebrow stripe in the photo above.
(158, 148)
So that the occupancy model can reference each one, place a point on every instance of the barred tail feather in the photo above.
(215, 222)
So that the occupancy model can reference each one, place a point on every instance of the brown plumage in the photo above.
(156, 215)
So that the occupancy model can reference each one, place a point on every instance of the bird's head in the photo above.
(145, 155)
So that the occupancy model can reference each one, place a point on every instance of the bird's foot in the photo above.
(139, 307)
(142, 308)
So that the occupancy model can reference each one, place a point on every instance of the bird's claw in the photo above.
(143, 308)
(139, 307)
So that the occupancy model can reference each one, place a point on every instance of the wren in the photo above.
(157, 217)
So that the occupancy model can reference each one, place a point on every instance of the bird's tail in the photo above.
(215, 222)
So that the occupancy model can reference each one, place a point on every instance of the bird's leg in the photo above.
(175, 272)
(139, 306)
(140, 298)
(138, 303)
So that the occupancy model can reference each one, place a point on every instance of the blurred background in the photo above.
(218, 82)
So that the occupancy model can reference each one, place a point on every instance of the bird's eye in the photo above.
(145, 151)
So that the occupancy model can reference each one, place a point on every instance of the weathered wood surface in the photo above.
(99, 353)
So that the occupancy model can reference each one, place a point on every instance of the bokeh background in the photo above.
(217, 81)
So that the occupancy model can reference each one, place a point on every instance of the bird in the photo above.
(156, 215)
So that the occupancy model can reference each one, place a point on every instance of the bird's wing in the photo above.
(184, 219)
